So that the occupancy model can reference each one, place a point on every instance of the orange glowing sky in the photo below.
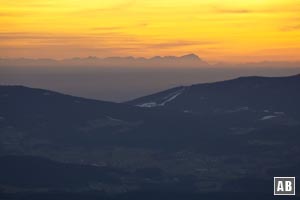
(216, 30)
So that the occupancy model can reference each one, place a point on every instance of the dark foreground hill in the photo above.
(40, 120)
(269, 94)
(36, 172)
(230, 136)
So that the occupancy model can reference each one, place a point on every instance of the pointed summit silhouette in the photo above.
(191, 57)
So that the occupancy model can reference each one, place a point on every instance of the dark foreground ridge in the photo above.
(217, 140)
(246, 92)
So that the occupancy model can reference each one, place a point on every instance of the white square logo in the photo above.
(284, 185)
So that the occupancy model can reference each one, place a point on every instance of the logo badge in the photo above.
(284, 185)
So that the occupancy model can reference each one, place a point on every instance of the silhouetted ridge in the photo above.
(191, 57)
(189, 60)
(252, 92)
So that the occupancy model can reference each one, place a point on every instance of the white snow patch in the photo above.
(239, 109)
(148, 105)
(114, 119)
(167, 99)
(243, 108)
(268, 117)
(174, 95)
(279, 113)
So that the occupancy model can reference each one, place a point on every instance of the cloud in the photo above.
(10, 14)
(291, 28)
(113, 28)
(173, 44)
(4, 36)
(31, 3)
(114, 8)
(234, 11)
(244, 10)
(107, 43)
(107, 28)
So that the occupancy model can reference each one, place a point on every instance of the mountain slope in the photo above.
(269, 94)
(48, 114)
(35, 120)
(164, 146)
(37, 172)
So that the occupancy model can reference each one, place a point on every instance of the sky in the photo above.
(216, 30)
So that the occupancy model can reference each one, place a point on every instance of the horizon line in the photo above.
(150, 57)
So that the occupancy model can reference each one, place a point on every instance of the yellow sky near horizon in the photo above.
(216, 30)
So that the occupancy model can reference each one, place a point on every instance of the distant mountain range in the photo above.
(189, 60)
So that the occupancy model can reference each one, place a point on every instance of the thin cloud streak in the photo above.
(234, 11)
(113, 28)
(291, 28)
(118, 7)
(174, 44)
